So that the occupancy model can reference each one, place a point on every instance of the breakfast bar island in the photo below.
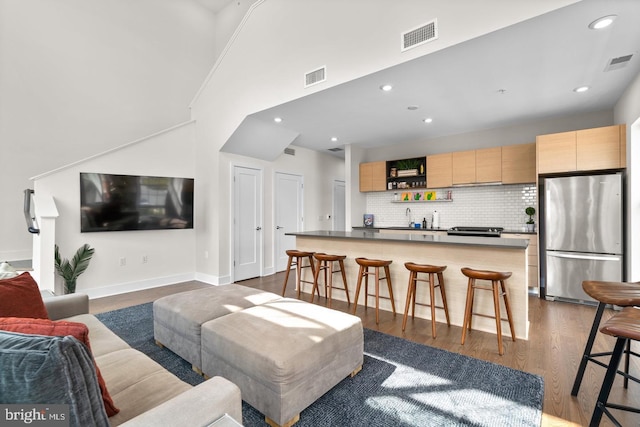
(455, 252)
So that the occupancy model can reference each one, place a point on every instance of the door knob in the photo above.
(258, 228)
(278, 227)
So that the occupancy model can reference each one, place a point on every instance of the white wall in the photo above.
(318, 170)
(78, 77)
(170, 253)
(262, 68)
(627, 110)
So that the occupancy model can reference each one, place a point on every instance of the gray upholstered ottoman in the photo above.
(283, 354)
(177, 318)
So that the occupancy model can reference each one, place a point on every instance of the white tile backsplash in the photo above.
(479, 206)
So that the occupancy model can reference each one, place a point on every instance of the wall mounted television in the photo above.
(129, 202)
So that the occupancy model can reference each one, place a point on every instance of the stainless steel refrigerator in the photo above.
(583, 233)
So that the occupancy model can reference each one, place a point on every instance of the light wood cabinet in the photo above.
(598, 148)
(373, 176)
(519, 164)
(477, 166)
(439, 170)
(556, 152)
(532, 260)
(463, 165)
(489, 165)
(582, 150)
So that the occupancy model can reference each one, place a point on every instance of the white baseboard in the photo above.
(212, 280)
(123, 288)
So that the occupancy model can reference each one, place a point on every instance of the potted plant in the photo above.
(70, 270)
(531, 211)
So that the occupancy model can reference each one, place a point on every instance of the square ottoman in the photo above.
(177, 318)
(283, 354)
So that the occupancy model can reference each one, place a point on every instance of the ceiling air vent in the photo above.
(335, 150)
(316, 76)
(420, 35)
(290, 151)
(617, 63)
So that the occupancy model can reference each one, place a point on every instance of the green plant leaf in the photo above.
(70, 271)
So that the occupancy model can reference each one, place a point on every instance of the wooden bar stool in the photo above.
(622, 294)
(325, 263)
(364, 264)
(497, 288)
(295, 258)
(625, 327)
(432, 271)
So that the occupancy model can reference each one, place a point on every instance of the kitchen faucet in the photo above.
(407, 212)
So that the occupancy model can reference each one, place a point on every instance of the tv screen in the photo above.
(130, 202)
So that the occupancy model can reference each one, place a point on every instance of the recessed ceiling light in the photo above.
(334, 139)
(277, 119)
(581, 89)
(386, 88)
(603, 22)
(428, 120)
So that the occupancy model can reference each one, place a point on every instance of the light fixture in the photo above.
(334, 139)
(386, 87)
(428, 120)
(277, 119)
(603, 22)
(412, 107)
(581, 89)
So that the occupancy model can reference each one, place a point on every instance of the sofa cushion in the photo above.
(20, 297)
(59, 328)
(56, 370)
(137, 383)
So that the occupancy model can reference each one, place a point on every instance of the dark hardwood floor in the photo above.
(558, 332)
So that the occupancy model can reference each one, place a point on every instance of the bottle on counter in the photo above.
(424, 222)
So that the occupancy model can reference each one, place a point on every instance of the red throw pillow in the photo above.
(20, 297)
(60, 328)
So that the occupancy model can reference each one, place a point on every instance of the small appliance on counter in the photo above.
(367, 220)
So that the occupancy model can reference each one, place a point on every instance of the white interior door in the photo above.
(339, 210)
(288, 214)
(247, 222)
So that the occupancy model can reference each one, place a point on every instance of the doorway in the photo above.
(289, 190)
(339, 213)
(247, 223)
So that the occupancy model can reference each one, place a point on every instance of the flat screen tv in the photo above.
(130, 202)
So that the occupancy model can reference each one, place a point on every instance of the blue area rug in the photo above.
(401, 384)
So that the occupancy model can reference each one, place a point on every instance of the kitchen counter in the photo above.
(421, 238)
(376, 229)
(456, 252)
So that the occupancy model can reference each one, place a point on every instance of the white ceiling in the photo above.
(215, 5)
(537, 63)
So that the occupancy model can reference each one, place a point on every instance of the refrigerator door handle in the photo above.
(584, 256)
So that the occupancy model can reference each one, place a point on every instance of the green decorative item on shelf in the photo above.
(407, 164)
(70, 271)
(531, 211)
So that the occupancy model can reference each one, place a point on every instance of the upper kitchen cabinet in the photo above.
(556, 152)
(439, 170)
(599, 148)
(373, 176)
(463, 165)
(477, 166)
(583, 150)
(489, 165)
(519, 163)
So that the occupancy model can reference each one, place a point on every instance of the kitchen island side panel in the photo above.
(454, 256)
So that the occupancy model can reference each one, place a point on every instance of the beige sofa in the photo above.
(145, 392)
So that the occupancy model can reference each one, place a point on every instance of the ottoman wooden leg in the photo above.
(289, 423)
